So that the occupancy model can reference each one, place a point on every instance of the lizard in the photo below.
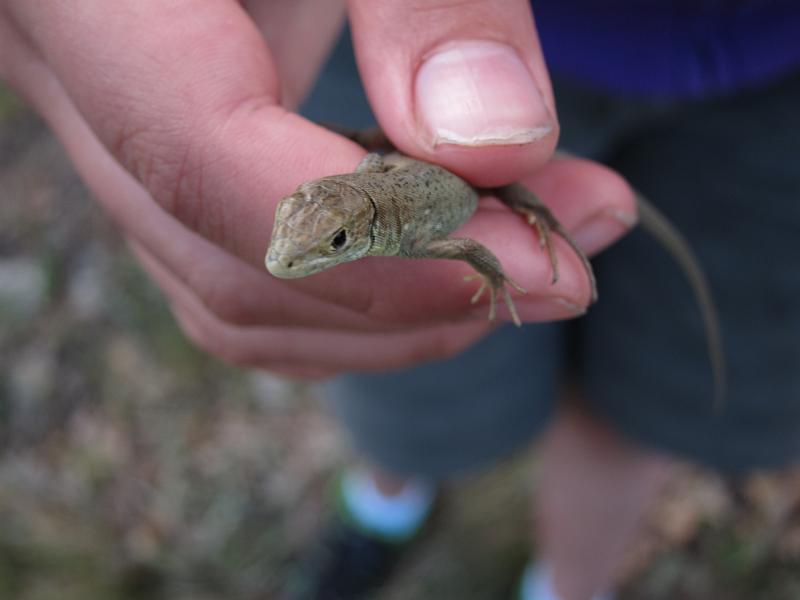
(395, 205)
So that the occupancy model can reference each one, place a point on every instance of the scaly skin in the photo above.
(398, 206)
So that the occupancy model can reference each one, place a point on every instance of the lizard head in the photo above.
(323, 224)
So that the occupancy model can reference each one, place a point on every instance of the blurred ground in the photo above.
(133, 467)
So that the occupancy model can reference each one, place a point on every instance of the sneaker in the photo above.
(348, 561)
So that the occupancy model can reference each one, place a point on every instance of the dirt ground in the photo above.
(134, 467)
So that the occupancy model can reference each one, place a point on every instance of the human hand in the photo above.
(178, 117)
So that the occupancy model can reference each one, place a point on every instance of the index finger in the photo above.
(186, 96)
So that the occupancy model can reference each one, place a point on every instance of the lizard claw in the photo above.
(497, 287)
(539, 216)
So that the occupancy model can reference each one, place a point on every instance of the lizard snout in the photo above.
(282, 266)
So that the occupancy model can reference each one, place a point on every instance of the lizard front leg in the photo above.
(488, 268)
(522, 200)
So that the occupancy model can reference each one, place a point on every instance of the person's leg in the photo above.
(593, 489)
(412, 430)
(591, 493)
(594, 485)
(644, 360)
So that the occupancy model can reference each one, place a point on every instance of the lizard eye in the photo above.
(339, 240)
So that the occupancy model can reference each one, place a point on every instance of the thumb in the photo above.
(462, 84)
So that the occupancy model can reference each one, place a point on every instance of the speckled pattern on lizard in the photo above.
(394, 205)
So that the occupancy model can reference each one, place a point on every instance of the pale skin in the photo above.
(178, 116)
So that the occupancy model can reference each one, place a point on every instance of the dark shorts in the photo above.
(727, 173)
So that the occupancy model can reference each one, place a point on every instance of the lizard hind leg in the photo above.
(522, 200)
(488, 270)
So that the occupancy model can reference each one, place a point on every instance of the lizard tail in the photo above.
(659, 226)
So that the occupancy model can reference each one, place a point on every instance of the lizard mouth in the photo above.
(283, 267)
(292, 267)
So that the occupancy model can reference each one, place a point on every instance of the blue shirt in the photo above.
(670, 48)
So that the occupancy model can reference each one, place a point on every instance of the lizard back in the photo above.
(415, 202)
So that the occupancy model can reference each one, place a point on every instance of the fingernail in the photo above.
(479, 93)
(601, 229)
(576, 310)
